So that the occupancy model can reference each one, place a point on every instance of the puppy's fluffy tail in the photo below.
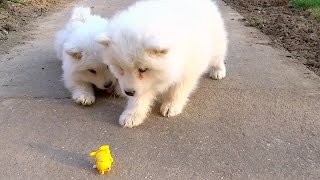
(80, 14)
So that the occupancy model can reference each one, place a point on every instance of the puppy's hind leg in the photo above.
(177, 96)
(217, 67)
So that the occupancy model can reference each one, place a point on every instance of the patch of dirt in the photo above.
(292, 28)
(15, 18)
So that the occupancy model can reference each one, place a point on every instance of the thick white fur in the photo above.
(75, 45)
(176, 40)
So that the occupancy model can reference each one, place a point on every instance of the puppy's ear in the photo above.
(72, 51)
(103, 39)
(76, 54)
(155, 48)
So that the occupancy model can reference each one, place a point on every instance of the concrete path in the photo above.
(261, 122)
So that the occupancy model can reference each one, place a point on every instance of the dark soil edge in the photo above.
(292, 28)
(22, 23)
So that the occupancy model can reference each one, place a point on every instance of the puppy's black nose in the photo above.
(129, 92)
(108, 84)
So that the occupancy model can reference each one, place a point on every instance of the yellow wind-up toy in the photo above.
(103, 159)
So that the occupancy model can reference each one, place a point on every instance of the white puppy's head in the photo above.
(141, 64)
(85, 65)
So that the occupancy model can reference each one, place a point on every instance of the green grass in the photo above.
(314, 5)
(255, 21)
(316, 12)
(306, 3)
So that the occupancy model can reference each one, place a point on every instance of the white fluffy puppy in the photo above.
(81, 56)
(163, 47)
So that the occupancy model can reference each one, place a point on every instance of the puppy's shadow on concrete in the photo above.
(111, 108)
(51, 80)
(63, 156)
(38, 76)
(155, 111)
(106, 109)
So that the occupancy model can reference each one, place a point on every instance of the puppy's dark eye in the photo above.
(92, 71)
(141, 70)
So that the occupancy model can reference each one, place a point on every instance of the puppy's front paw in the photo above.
(85, 99)
(169, 109)
(218, 74)
(130, 120)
